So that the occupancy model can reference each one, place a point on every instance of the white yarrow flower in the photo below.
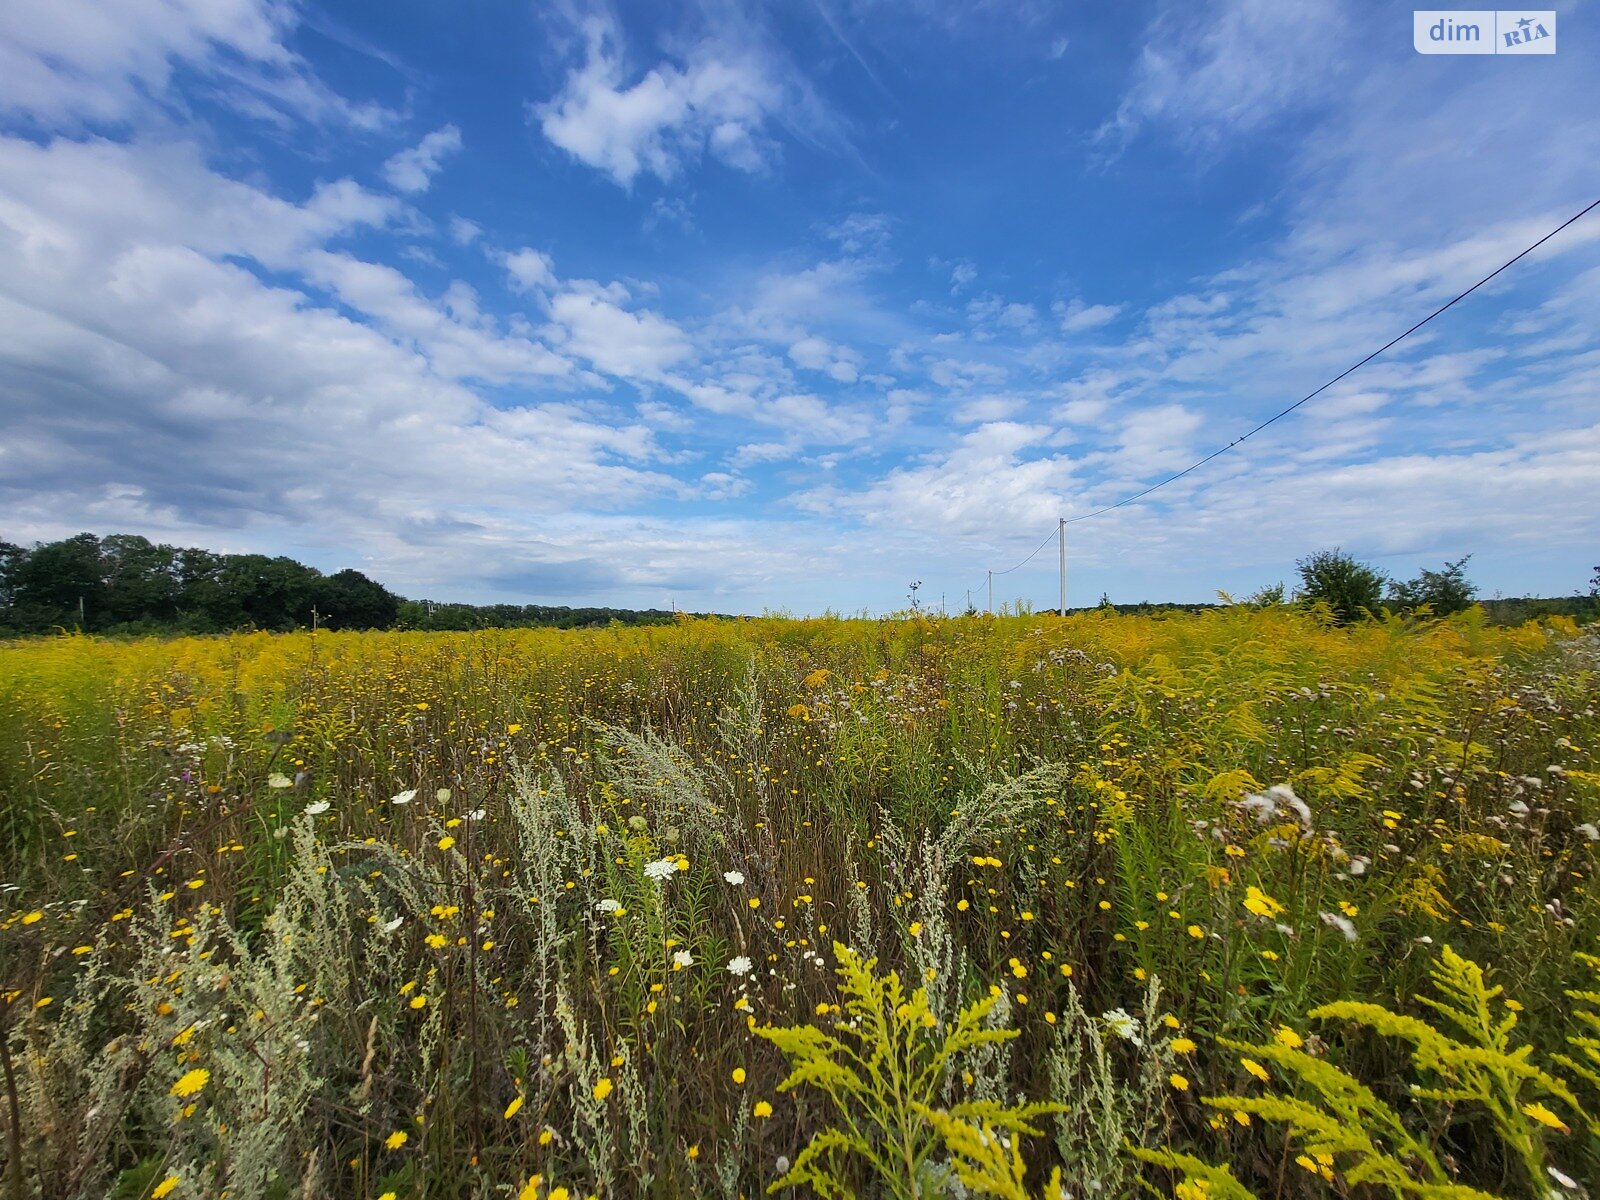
(682, 958)
(405, 797)
(391, 926)
(734, 877)
(661, 869)
(275, 780)
(739, 965)
(318, 808)
(1589, 831)
(1120, 1023)
(608, 906)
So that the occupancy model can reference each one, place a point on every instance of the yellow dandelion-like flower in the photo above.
(762, 1109)
(388, 1196)
(560, 1193)
(1261, 904)
(738, 1075)
(190, 1082)
(1288, 1037)
(1256, 1069)
(1178, 1081)
(446, 842)
(396, 1139)
(754, 902)
(530, 1190)
(419, 1002)
(33, 917)
(602, 1089)
(1183, 1045)
(514, 1108)
(166, 1187)
(915, 929)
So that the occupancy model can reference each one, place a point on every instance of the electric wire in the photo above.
(1278, 416)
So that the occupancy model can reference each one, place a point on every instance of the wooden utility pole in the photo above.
(1061, 529)
(991, 593)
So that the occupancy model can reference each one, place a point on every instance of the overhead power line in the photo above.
(1351, 370)
(1278, 416)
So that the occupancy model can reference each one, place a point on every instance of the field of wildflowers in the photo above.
(1231, 904)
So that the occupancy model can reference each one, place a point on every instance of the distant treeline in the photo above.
(423, 614)
(1511, 610)
(127, 584)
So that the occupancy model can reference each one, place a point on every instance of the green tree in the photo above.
(57, 580)
(349, 600)
(1350, 588)
(141, 581)
(1444, 592)
(12, 556)
(269, 593)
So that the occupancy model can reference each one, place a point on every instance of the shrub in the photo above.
(1350, 588)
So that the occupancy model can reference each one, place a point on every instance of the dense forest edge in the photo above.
(126, 585)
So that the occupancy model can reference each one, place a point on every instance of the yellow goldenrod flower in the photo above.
(1545, 1117)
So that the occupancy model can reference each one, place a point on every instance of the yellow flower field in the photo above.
(1016, 907)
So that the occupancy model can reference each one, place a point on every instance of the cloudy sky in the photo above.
(749, 306)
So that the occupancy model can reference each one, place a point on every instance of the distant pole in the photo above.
(80, 610)
(991, 593)
(1062, 530)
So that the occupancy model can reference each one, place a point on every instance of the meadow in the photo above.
(1229, 904)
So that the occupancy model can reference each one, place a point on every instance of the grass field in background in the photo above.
(507, 913)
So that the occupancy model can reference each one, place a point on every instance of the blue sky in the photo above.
(748, 306)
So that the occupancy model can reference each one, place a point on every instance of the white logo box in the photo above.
(1483, 31)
